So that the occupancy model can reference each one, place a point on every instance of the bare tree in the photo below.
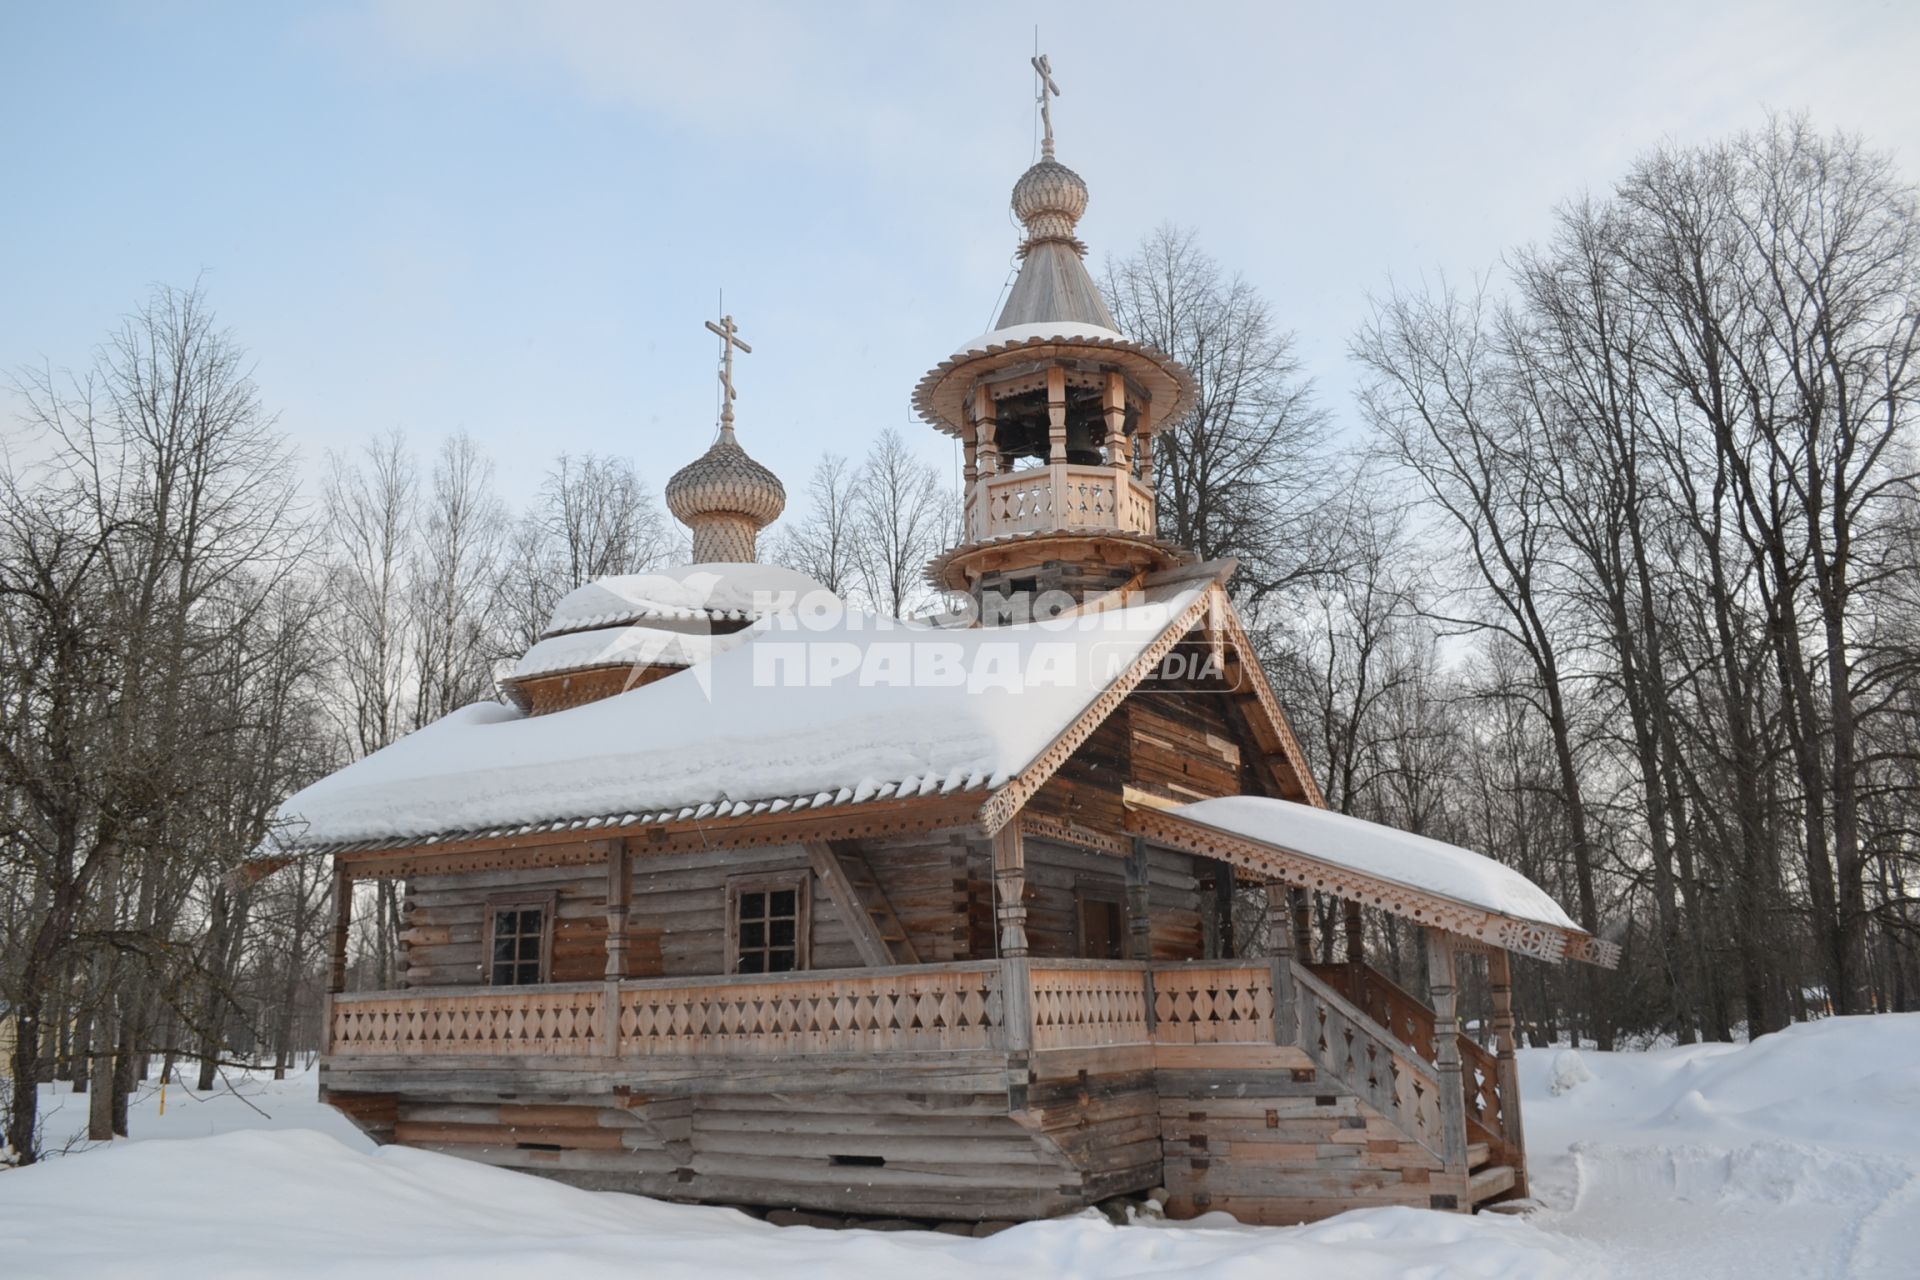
(901, 518)
(825, 543)
(1245, 474)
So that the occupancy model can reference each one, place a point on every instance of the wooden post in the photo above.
(1016, 974)
(1114, 405)
(1223, 910)
(1286, 1017)
(1442, 981)
(985, 431)
(342, 923)
(1356, 938)
(619, 903)
(1139, 919)
(1303, 924)
(1056, 414)
(1010, 889)
(1500, 984)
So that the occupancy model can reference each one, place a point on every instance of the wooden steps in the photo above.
(1478, 1153)
(1494, 1180)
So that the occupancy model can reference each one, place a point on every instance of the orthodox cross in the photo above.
(729, 339)
(1044, 90)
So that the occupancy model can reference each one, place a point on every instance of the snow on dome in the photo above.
(837, 708)
(738, 591)
(621, 646)
(1386, 852)
(1039, 331)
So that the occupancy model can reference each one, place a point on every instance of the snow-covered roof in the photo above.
(637, 645)
(809, 711)
(1386, 852)
(732, 591)
(1433, 883)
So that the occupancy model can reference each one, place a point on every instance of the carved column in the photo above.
(1500, 985)
(1302, 923)
(1056, 414)
(1356, 936)
(1114, 404)
(970, 469)
(1016, 976)
(1010, 889)
(1286, 1017)
(984, 426)
(1443, 984)
(619, 903)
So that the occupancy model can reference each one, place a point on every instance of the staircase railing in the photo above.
(1411, 1022)
(1350, 1046)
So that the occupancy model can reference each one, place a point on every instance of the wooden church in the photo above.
(742, 896)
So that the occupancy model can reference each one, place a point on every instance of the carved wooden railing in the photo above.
(1411, 1022)
(1088, 1005)
(886, 1010)
(1065, 496)
(1213, 1002)
(1352, 1048)
(497, 1020)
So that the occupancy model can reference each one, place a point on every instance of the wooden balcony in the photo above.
(1061, 497)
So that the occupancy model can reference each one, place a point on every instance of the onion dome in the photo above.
(725, 498)
(1049, 200)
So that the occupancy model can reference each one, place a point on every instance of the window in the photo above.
(1103, 928)
(517, 934)
(768, 924)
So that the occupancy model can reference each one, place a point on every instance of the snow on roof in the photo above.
(1386, 852)
(1015, 334)
(617, 646)
(685, 591)
(811, 709)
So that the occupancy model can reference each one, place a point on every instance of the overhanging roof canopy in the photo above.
(1428, 881)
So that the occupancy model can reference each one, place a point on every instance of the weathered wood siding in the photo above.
(1058, 874)
(1286, 1147)
(677, 922)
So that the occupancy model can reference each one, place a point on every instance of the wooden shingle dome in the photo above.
(726, 498)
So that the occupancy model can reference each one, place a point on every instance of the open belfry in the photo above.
(690, 914)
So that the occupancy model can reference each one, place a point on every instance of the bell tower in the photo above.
(1056, 412)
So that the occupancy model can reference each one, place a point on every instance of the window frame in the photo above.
(545, 903)
(800, 882)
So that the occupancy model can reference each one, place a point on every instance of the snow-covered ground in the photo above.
(1798, 1155)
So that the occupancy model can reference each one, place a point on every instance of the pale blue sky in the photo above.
(513, 218)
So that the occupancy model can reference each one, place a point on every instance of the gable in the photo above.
(1194, 718)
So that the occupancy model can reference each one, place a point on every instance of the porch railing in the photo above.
(911, 1008)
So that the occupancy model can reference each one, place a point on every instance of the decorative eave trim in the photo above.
(867, 820)
(1170, 383)
(1423, 906)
